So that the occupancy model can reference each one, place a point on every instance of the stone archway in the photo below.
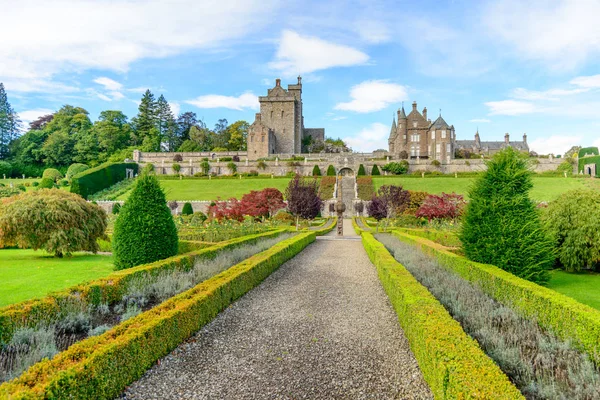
(346, 171)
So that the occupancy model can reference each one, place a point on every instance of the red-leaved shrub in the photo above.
(446, 206)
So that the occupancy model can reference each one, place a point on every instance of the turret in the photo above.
(525, 138)
(506, 138)
(477, 139)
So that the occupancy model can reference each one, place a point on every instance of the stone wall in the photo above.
(201, 206)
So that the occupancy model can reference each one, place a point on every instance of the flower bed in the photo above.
(567, 318)
(451, 362)
(100, 367)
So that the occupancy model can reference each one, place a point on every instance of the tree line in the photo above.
(69, 136)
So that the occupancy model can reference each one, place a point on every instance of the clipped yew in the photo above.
(187, 209)
(331, 170)
(316, 171)
(144, 230)
(52, 173)
(375, 170)
(502, 226)
(54, 220)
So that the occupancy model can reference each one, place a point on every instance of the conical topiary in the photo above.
(144, 230)
(187, 209)
(502, 226)
(316, 171)
(331, 170)
(361, 170)
(375, 170)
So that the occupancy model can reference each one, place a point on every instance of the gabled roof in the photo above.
(440, 123)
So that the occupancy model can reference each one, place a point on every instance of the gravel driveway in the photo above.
(320, 327)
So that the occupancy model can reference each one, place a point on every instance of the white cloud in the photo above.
(140, 90)
(175, 107)
(555, 144)
(510, 107)
(372, 96)
(304, 54)
(373, 31)
(28, 116)
(65, 36)
(480, 120)
(244, 101)
(108, 83)
(117, 95)
(103, 97)
(551, 94)
(562, 34)
(592, 81)
(370, 138)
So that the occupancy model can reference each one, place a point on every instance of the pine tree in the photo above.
(166, 124)
(502, 226)
(9, 123)
(146, 118)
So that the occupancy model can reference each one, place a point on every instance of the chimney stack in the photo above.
(425, 113)
(506, 138)
(414, 106)
(277, 82)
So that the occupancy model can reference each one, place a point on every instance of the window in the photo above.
(433, 134)
(404, 137)
(443, 134)
(415, 124)
(437, 148)
(448, 148)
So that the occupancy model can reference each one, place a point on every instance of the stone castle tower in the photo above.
(279, 127)
(420, 138)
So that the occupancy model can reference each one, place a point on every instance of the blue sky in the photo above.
(502, 65)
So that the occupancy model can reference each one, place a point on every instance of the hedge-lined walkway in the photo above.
(319, 327)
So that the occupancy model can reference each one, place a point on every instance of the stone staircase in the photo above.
(348, 193)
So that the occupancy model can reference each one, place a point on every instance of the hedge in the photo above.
(365, 187)
(95, 179)
(589, 160)
(109, 289)
(587, 150)
(564, 316)
(452, 363)
(445, 238)
(325, 228)
(101, 367)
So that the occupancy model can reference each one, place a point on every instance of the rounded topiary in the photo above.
(187, 209)
(144, 230)
(46, 183)
(331, 170)
(75, 169)
(375, 170)
(316, 171)
(52, 173)
(502, 226)
(361, 170)
(116, 208)
(35, 183)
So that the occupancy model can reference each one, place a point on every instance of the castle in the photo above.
(416, 137)
(279, 127)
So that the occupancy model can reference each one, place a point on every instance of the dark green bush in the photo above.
(588, 150)
(46, 183)
(95, 179)
(316, 171)
(53, 174)
(75, 169)
(375, 170)
(35, 183)
(5, 169)
(116, 208)
(232, 167)
(187, 209)
(176, 168)
(502, 226)
(331, 170)
(361, 170)
(396, 168)
(63, 183)
(145, 230)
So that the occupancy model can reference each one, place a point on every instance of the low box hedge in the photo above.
(109, 289)
(564, 316)
(445, 238)
(452, 363)
(325, 228)
(105, 175)
(101, 367)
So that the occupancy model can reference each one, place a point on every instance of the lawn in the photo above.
(583, 287)
(204, 189)
(544, 189)
(17, 182)
(28, 274)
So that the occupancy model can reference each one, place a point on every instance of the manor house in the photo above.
(420, 138)
(279, 127)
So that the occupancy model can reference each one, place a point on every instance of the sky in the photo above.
(500, 66)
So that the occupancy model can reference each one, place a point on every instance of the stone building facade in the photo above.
(280, 123)
(489, 148)
(420, 138)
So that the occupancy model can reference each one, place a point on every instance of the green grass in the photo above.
(583, 286)
(544, 188)
(204, 189)
(28, 274)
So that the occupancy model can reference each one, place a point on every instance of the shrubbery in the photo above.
(55, 220)
(502, 226)
(361, 170)
(46, 183)
(52, 173)
(95, 179)
(232, 167)
(258, 204)
(75, 169)
(375, 170)
(390, 201)
(116, 208)
(446, 206)
(187, 209)
(316, 171)
(5, 169)
(573, 220)
(331, 170)
(144, 230)
(326, 187)
(8, 191)
(176, 168)
(396, 168)
(303, 198)
(365, 187)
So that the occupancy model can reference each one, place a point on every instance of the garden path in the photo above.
(320, 327)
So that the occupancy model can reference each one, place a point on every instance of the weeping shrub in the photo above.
(502, 226)
(144, 230)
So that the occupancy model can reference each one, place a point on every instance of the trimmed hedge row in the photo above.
(325, 228)
(102, 366)
(452, 363)
(185, 246)
(448, 239)
(564, 316)
(109, 289)
(105, 175)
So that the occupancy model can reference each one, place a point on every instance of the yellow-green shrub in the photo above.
(101, 367)
(567, 318)
(452, 363)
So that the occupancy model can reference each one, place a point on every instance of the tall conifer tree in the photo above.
(9, 123)
(146, 118)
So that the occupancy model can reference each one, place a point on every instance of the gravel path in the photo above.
(320, 327)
